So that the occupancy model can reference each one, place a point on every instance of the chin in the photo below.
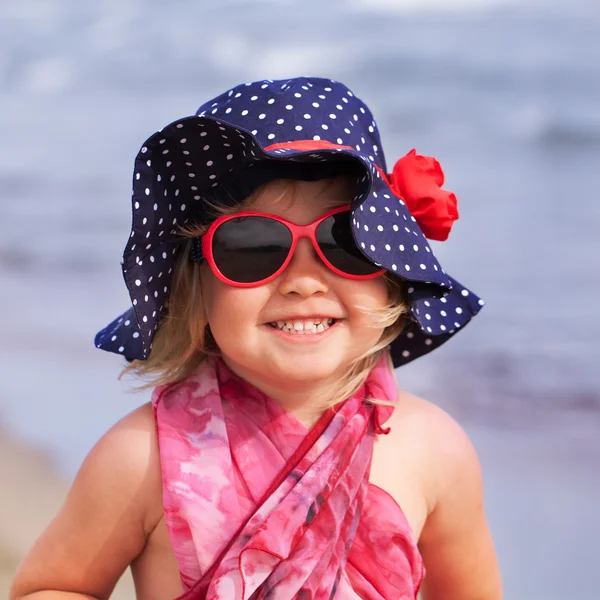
(306, 369)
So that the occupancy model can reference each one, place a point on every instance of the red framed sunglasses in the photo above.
(250, 248)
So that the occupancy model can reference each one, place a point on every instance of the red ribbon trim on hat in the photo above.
(418, 181)
(306, 145)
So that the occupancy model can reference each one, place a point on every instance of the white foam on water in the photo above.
(421, 6)
(575, 9)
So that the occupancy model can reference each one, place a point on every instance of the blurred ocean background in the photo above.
(505, 94)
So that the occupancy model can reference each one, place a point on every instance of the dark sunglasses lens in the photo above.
(250, 249)
(334, 237)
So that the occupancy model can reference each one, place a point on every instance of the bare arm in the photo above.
(112, 507)
(456, 543)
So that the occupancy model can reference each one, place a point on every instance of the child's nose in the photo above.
(305, 274)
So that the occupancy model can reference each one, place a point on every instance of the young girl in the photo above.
(277, 275)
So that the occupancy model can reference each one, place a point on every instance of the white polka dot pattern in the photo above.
(230, 133)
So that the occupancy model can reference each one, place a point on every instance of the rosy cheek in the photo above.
(237, 308)
(382, 290)
(372, 293)
(214, 292)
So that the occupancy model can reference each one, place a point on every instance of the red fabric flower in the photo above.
(418, 181)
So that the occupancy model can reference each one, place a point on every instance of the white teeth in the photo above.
(303, 327)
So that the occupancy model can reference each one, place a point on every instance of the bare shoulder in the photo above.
(112, 507)
(128, 455)
(455, 540)
(439, 445)
(411, 410)
(125, 465)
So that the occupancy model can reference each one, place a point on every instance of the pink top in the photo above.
(257, 506)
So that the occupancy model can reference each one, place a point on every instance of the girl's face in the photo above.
(243, 321)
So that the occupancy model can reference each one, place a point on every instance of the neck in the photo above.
(306, 401)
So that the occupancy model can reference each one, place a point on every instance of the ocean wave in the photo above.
(568, 135)
(66, 46)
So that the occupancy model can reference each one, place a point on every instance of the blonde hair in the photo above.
(183, 340)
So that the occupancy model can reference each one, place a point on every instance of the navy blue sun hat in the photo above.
(303, 128)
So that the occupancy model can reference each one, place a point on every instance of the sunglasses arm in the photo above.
(196, 250)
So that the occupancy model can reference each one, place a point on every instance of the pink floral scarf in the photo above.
(257, 506)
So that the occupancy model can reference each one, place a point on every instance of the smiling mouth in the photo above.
(304, 327)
